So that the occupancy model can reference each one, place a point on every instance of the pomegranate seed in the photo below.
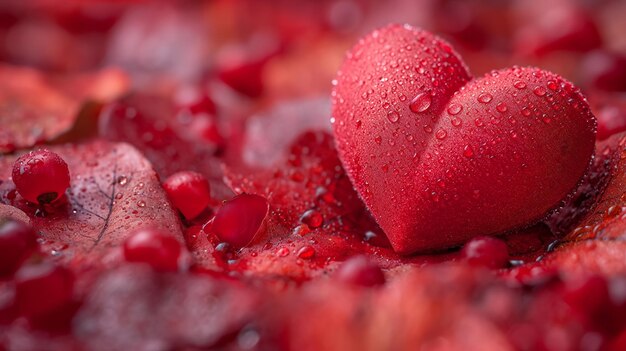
(17, 242)
(41, 176)
(42, 289)
(159, 250)
(239, 219)
(360, 271)
(189, 192)
(486, 251)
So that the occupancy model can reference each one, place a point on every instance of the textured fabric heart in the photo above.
(439, 157)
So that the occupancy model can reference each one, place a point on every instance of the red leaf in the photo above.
(113, 190)
(35, 107)
(184, 311)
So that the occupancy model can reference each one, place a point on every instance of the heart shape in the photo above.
(439, 157)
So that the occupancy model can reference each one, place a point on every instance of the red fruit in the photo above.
(42, 289)
(159, 250)
(17, 242)
(239, 219)
(487, 252)
(359, 271)
(189, 192)
(41, 176)
(439, 158)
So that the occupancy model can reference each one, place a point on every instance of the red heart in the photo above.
(440, 158)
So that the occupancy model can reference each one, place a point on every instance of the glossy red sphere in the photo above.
(360, 271)
(486, 251)
(41, 176)
(189, 192)
(239, 219)
(155, 248)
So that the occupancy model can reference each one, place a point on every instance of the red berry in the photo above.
(486, 251)
(17, 242)
(189, 192)
(159, 250)
(42, 289)
(360, 271)
(41, 176)
(239, 219)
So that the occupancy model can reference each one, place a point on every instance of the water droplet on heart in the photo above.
(402, 97)
(378, 140)
(455, 121)
(540, 91)
(519, 84)
(386, 105)
(501, 107)
(455, 109)
(141, 203)
(468, 151)
(552, 85)
(526, 111)
(478, 122)
(428, 129)
(546, 119)
(441, 134)
(421, 102)
(393, 116)
(358, 124)
(485, 98)
(434, 196)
